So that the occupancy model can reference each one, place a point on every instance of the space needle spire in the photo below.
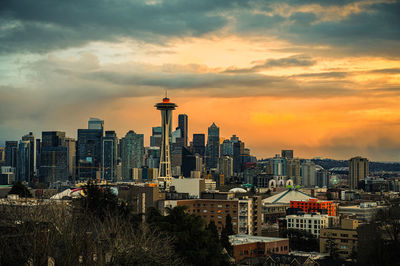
(166, 107)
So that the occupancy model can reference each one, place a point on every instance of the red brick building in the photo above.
(315, 205)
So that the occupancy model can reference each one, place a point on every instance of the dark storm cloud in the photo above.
(44, 25)
(386, 71)
(375, 30)
(292, 61)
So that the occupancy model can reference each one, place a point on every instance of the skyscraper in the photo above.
(183, 126)
(23, 161)
(156, 137)
(88, 153)
(96, 123)
(57, 157)
(199, 144)
(165, 175)
(109, 156)
(288, 154)
(212, 149)
(11, 153)
(32, 153)
(358, 171)
(308, 174)
(132, 153)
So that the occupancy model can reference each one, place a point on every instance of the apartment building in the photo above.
(344, 238)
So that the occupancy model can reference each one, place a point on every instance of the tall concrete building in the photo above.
(109, 156)
(212, 149)
(358, 171)
(132, 153)
(199, 144)
(226, 167)
(278, 166)
(293, 170)
(308, 174)
(165, 175)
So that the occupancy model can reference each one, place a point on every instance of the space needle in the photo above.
(166, 107)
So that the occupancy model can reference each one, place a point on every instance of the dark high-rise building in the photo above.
(199, 144)
(53, 138)
(237, 160)
(358, 171)
(57, 157)
(183, 158)
(227, 148)
(53, 164)
(23, 161)
(88, 153)
(109, 156)
(11, 153)
(183, 126)
(38, 149)
(288, 154)
(32, 154)
(212, 149)
(156, 137)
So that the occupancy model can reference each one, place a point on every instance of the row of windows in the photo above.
(212, 205)
(260, 251)
(306, 221)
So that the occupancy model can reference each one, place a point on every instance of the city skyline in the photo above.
(318, 77)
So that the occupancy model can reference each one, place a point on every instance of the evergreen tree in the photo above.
(225, 233)
(21, 190)
(196, 243)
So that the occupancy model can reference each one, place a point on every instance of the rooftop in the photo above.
(287, 196)
(245, 239)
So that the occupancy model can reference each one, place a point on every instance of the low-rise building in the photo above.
(312, 222)
(315, 205)
(363, 212)
(245, 246)
(341, 240)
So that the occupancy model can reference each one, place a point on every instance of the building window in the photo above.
(344, 235)
(204, 211)
(219, 206)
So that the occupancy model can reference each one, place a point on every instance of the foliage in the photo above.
(225, 233)
(101, 201)
(21, 190)
(69, 236)
(301, 240)
(194, 242)
(378, 242)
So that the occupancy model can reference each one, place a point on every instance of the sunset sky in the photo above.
(321, 77)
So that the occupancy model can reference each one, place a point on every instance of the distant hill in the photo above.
(373, 166)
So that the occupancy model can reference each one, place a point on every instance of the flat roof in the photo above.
(246, 239)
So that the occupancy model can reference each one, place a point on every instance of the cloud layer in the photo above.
(322, 77)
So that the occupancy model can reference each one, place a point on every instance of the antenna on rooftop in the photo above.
(166, 93)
